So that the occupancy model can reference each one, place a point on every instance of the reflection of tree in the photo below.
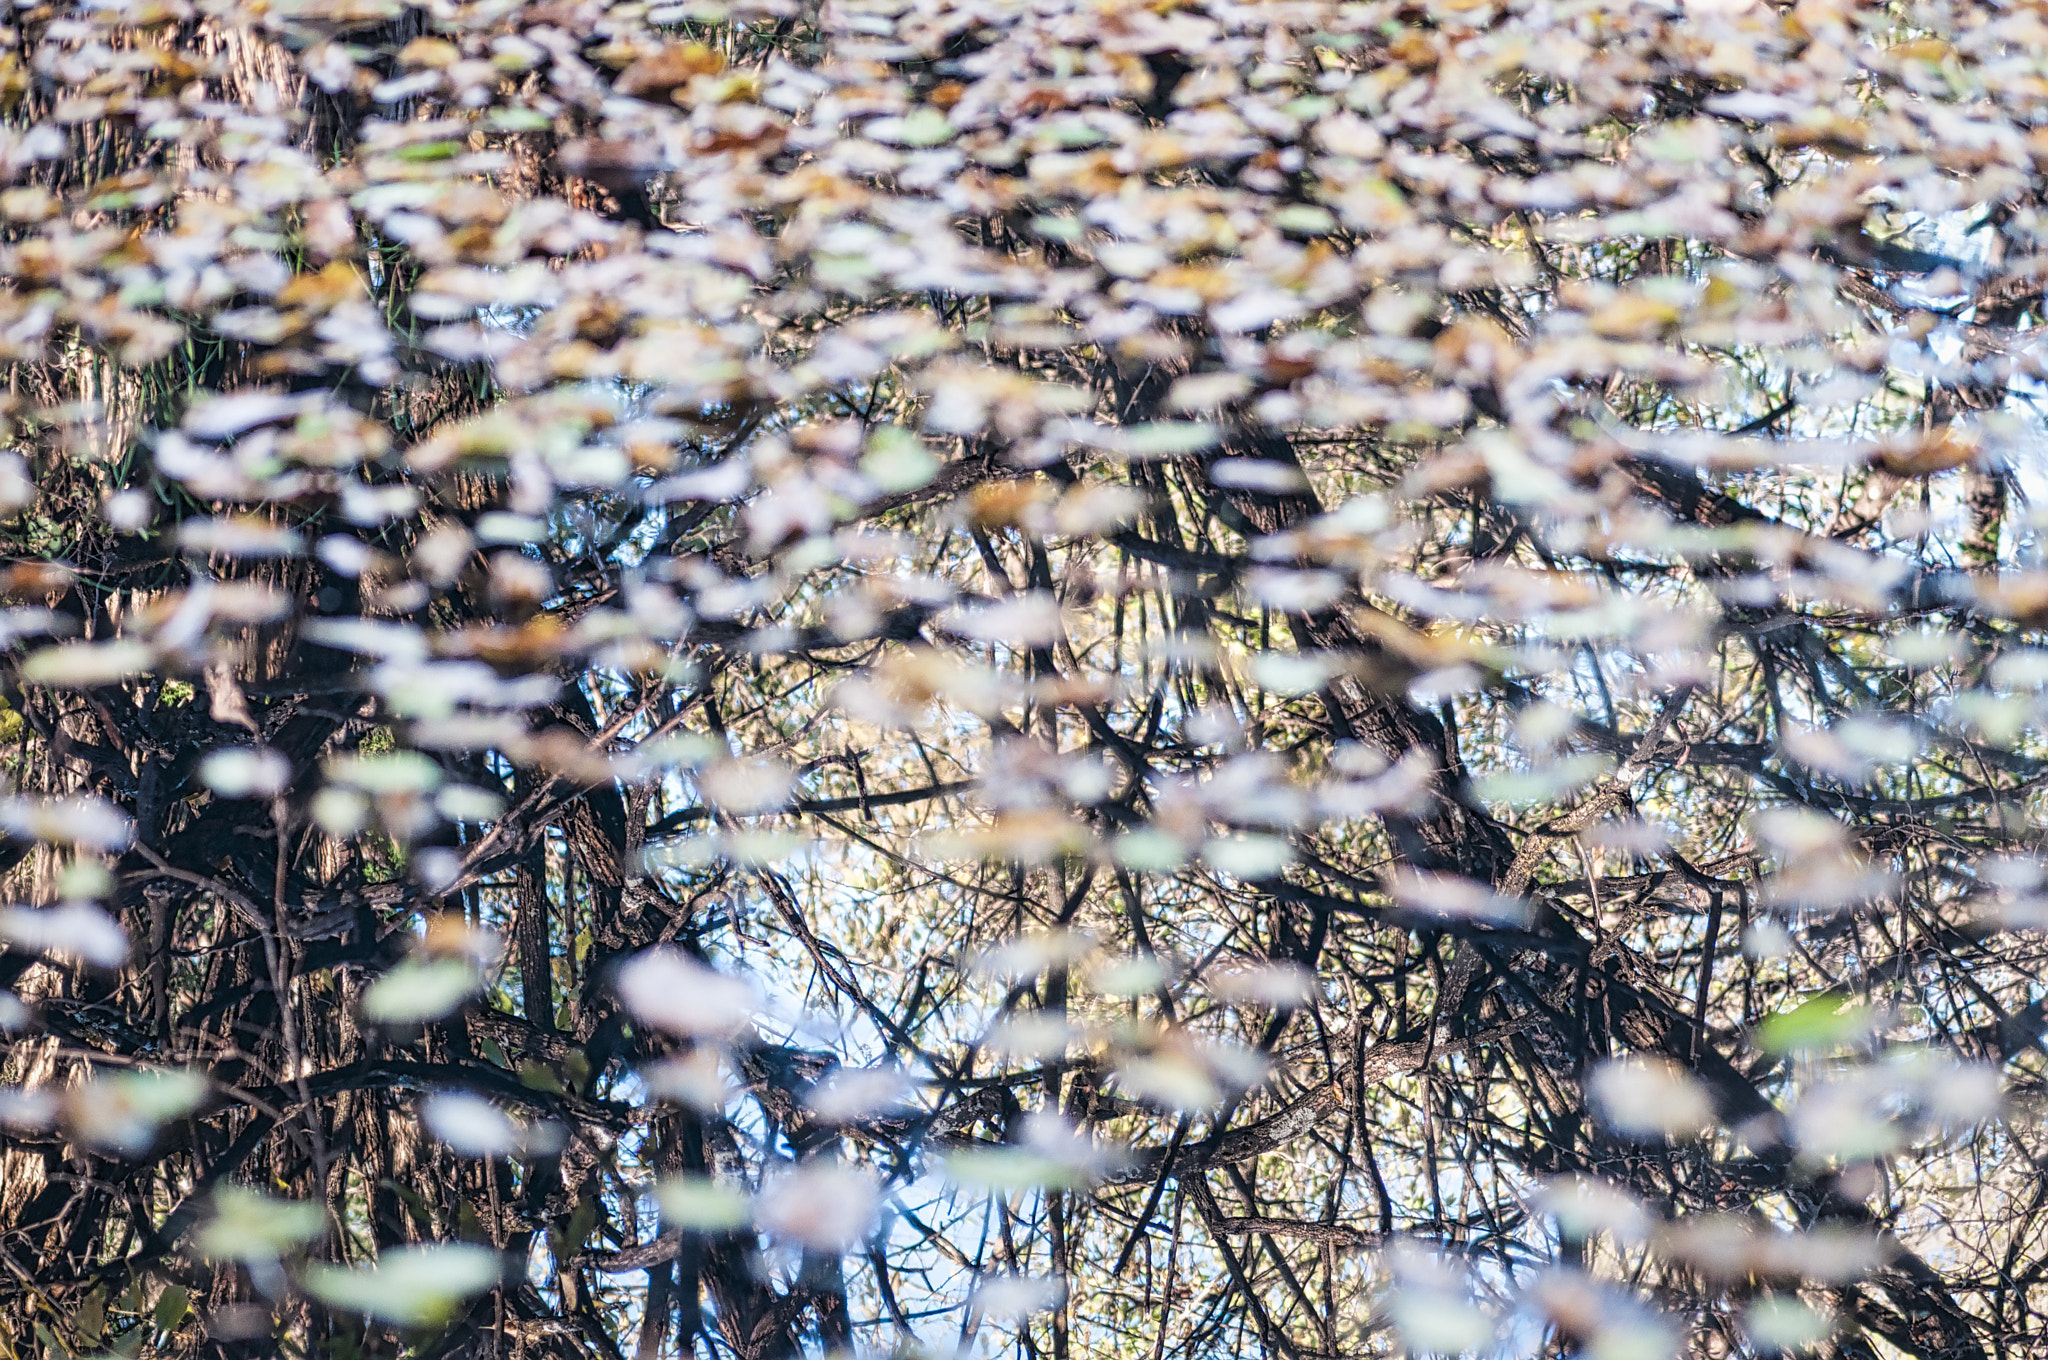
(1287, 676)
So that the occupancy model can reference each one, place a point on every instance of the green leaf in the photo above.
(919, 127)
(1149, 851)
(415, 1204)
(394, 772)
(1305, 219)
(419, 990)
(538, 1076)
(409, 1286)
(701, 1204)
(581, 1221)
(250, 1226)
(429, 151)
(518, 120)
(576, 1068)
(1170, 438)
(1012, 1168)
(91, 1318)
(897, 460)
(171, 1307)
(1823, 1021)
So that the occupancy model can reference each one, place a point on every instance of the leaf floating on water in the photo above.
(122, 1112)
(1455, 898)
(696, 1079)
(1136, 976)
(1650, 1097)
(670, 991)
(1776, 1322)
(246, 1225)
(1432, 1306)
(1049, 1153)
(419, 990)
(243, 536)
(851, 1094)
(470, 1125)
(1030, 1036)
(71, 930)
(408, 1286)
(1583, 1206)
(746, 787)
(1013, 1298)
(1248, 857)
(701, 1204)
(1827, 1020)
(245, 772)
(1029, 955)
(88, 822)
(28, 1109)
(87, 665)
(824, 1206)
(1002, 526)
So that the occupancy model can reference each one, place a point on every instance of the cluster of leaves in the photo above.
(753, 677)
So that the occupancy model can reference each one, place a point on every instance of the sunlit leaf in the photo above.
(419, 990)
(671, 991)
(1776, 1322)
(245, 771)
(246, 1225)
(1013, 1298)
(700, 1204)
(1650, 1097)
(824, 1206)
(1826, 1020)
(408, 1286)
(471, 1125)
(85, 665)
(76, 930)
(851, 1094)
(122, 1111)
